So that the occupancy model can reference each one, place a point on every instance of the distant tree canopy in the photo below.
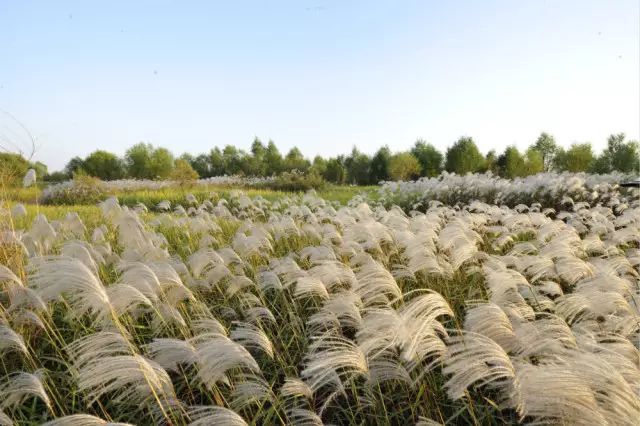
(429, 157)
(578, 158)
(103, 165)
(464, 157)
(404, 166)
(547, 147)
(144, 160)
(379, 169)
(618, 155)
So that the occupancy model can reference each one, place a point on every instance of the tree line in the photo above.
(145, 161)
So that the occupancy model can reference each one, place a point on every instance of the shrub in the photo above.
(295, 181)
(82, 189)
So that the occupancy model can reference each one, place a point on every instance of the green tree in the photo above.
(335, 171)
(273, 159)
(256, 164)
(491, 163)
(104, 165)
(143, 161)
(429, 157)
(294, 160)
(546, 145)
(183, 172)
(138, 160)
(216, 163)
(201, 165)
(73, 166)
(578, 158)
(404, 166)
(510, 163)
(319, 165)
(380, 165)
(232, 158)
(618, 155)
(464, 157)
(161, 163)
(358, 167)
(533, 162)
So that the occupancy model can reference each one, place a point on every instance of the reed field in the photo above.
(451, 300)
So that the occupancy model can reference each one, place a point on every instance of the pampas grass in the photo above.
(488, 303)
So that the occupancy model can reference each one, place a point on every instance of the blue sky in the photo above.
(321, 75)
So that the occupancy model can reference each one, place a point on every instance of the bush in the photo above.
(295, 181)
(12, 168)
(82, 189)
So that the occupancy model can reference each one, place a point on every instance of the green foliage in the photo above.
(491, 163)
(73, 166)
(533, 162)
(380, 165)
(295, 181)
(619, 155)
(12, 168)
(510, 163)
(294, 160)
(183, 172)
(404, 166)
(578, 158)
(56, 177)
(335, 171)
(84, 189)
(273, 159)
(429, 157)
(358, 167)
(547, 147)
(143, 161)
(104, 165)
(464, 157)
(513, 164)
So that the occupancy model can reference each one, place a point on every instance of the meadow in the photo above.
(452, 300)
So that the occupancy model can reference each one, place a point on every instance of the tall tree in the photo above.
(143, 161)
(491, 163)
(546, 145)
(319, 165)
(73, 166)
(294, 160)
(273, 159)
(380, 165)
(138, 160)
(232, 158)
(578, 158)
(511, 163)
(464, 157)
(201, 165)
(533, 162)
(161, 163)
(335, 171)
(216, 162)
(358, 167)
(404, 166)
(429, 157)
(618, 155)
(104, 165)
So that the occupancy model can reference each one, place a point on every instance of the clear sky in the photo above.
(321, 75)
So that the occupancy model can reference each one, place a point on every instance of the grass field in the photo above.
(252, 312)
